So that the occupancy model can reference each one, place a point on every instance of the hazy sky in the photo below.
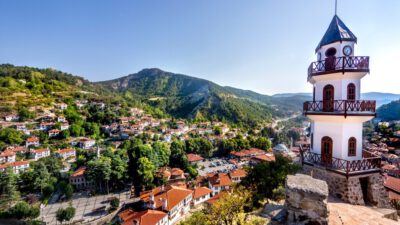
(265, 46)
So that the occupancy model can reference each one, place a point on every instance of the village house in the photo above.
(78, 180)
(32, 141)
(200, 195)
(61, 119)
(86, 143)
(246, 154)
(7, 156)
(174, 200)
(44, 126)
(237, 175)
(67, 153)
(17, 149)
(64, 126)
(61, 106)
(268, 157)
(11, 117)
(194, 158)
(54, 132)
(17, 166)
(392, 185)
(39, 153)
(171, 175)
(147, 217)
(219, 182)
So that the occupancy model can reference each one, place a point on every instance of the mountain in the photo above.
(189, 97)
(390, 111)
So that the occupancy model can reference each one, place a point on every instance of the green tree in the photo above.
(145, 171)
(11, 136)
(23, 210)
(8, 188)
(99, 171)
(263, 143)
(163, 153)
(65, 214)
(226, 146)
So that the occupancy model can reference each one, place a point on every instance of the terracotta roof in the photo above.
(176, 172)
(392, 183)
(65, 150)
(32, 139)
(248, 152)
(220, 179)
(54, 131)
(238, 173)
(194, 157)
(7, 153)
(215, 198)
(147, 217)
(40, 150)
(201, 191)
(265, 157)
(13, 164)
(17, 149)
(79, 172)
(173, 194)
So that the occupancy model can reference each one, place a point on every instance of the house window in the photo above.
(351, 92)
(330, 52)
(352, 146)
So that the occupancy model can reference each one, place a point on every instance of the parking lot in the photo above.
(85, 207)
(214, 165)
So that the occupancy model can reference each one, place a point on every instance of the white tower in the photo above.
(337, 112)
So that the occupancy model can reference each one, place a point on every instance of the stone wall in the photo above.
(306, 200)
(349, 189)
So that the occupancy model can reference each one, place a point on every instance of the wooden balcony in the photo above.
(340, 107)
(369, 164)
(339, 64)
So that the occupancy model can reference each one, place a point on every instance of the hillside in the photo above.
(190, 97)
(389, 111)
(37, 89)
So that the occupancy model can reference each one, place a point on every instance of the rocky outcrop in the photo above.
(306, 200)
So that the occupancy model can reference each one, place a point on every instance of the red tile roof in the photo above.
(201, 191)
(79, 172)
(220, 179)
(248, 152)
(7, 153)
(194, 157)
(40, 150)
(147, 217)
(265, 157)
(215, 198)
(392, 183)
(65, 150)
(13, 164)
(32, 139)
(238, 173)
(174, 195)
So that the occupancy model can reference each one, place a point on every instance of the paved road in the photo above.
(224, 166)
(84, 206)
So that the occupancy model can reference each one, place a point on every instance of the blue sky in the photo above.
(265, 46)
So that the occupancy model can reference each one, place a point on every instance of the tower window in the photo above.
(351, 92)
(330, 52)
(352, 146)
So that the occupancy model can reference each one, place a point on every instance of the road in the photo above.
(275, 122)
(84, 206)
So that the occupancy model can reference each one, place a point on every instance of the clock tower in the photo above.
(337, 114)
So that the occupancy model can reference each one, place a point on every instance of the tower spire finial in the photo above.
(335, 7)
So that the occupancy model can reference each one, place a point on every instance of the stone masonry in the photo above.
(349, 189)
(306, 200)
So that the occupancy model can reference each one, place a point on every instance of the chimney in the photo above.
(164, 204)
(162, 187)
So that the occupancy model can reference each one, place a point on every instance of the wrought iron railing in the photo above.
(347, 167)
(339, 106)
(335, 64)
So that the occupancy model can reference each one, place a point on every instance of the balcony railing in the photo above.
(339, 64)
(339, 106)
(342, 166)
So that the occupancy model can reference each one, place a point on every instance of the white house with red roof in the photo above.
(146, 217)
(86, 143)
(39, 153)
(54, 132)
(194, 158)
(11, 117)
(174, 200)
(66, 153)
(17, 166)
(7, 156)
(32, 141)
(200, 195)
(219, 182)
(64, 126)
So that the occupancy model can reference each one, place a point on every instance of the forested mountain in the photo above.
(190, 97)
(389, 111)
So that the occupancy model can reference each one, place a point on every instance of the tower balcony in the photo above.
(370, 163)
(340, 107)
(339, 64)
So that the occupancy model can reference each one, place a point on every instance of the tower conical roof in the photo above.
(337, 31)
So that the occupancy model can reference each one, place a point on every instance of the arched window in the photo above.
(352, 146)
(351, 92)
(328, 98)
(326, 149)
(330, 52)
